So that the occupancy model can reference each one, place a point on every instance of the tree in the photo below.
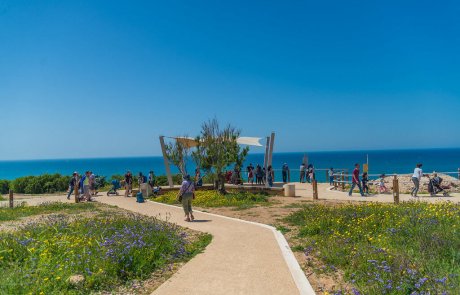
(217, 149)
(178, 153)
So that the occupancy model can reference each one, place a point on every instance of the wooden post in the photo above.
(343, 182)
(166, 162)
(458, 173)
(335, 181)
(396, 189)
(77, 199)
(11, 199)
(315, 189)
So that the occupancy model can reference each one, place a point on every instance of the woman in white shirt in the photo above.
(418, 173)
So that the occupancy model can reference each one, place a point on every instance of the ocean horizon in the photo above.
(401, 161)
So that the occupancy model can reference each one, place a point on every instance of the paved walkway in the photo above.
(243, 257)
(326, 193)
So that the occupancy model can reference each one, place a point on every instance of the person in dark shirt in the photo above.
(128, 183)
(355, 181)
(365, 180)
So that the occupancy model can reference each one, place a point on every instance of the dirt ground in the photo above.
(273, 214)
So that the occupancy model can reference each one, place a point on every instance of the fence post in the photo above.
(11, 198)
(343, 182)
(76, 192)
(396, 189)
(458, 173)
(335, 182)
(315, 189)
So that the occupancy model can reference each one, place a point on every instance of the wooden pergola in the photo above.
(191, 142)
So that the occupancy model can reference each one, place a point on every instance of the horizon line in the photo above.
(258, 153)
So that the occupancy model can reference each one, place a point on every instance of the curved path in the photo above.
(243, 257)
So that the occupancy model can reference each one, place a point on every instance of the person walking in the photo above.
(355, 181)
(128, 183)
(302, 172)
(187, 193)
(416, 177)
(286, 173)
(331, 176)
(72, 183)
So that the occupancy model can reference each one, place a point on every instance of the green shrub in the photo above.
(211, 198)
(46, 183)
(4, 186)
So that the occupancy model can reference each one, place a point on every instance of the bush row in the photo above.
(52, 183)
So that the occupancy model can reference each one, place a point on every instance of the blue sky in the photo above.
(106, 78)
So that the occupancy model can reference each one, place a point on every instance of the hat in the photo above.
(187, 177)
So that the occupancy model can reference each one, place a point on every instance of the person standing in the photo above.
(286, 173)
(152, 179)
(331, 176)
(92, 183)
(302, 172)
(187, 192)
(355, 181)
(250, 172)
(198, 179)
(72, 183)
(365, 180)
(128, 183)
(270, 175)
(416, 177)
(87, 186)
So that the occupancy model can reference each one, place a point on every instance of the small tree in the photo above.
(217, 149)
(178, 153)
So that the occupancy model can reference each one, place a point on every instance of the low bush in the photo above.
(46, 183)
(211, 198)
(410, 248)
(4, 186)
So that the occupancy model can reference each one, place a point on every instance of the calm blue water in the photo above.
(396, 161)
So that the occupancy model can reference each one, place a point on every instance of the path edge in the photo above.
(298, 275)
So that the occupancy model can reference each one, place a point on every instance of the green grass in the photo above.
(410, 248)
(24, 211)
(2, 198)
(208, 198)
(108, 250)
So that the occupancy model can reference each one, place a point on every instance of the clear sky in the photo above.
(106, 78)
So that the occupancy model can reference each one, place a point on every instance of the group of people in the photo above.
(85, 186)
(128, 181)
(363, 184)
(260, 174)
(307, 173)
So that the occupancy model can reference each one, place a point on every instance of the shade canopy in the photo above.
(191, 142)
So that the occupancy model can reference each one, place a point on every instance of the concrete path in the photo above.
(326, 193)
(243, 257)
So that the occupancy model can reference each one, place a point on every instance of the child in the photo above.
(382, 187)
(364, 180)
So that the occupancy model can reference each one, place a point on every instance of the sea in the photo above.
(379, 161)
